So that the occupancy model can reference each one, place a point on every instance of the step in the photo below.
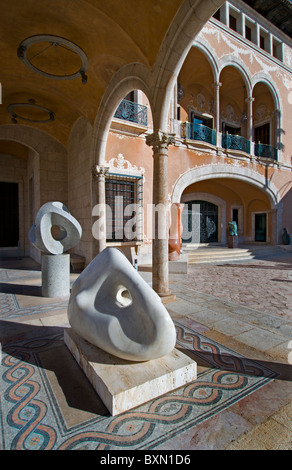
(220, 254)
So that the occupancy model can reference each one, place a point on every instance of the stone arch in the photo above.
(205, 48)
(157, 83)
(187, 23)
(243, 174)
(231, 61)
(263, 78)
(128, 78)
(44, 147)
(36, 139)
(220, 171)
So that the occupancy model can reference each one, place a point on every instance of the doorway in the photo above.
(260, 227)
(200, 222)
(9, 215)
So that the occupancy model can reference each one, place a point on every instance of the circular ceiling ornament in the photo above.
(53, 57)
(39, 113)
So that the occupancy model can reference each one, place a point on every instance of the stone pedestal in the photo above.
(123, 385)
(232, 241)
(56, 275)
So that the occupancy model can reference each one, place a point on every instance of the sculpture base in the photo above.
(232, 241)
(56, 275)
(123, 385)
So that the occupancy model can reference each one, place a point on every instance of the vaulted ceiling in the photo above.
(111, 33)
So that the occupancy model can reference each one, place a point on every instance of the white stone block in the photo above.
(123, 385)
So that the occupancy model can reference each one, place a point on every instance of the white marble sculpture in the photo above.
(54, 214)
(113, 308)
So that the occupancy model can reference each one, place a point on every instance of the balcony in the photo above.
(266, 151)
(200, 133)
(132, 112)
(235, 142)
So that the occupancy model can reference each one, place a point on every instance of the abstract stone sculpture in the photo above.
(113, 308)
(54, 214)
(55, 260)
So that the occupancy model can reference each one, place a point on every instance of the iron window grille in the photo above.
(124, 208)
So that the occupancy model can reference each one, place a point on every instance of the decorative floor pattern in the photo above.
(35, 397)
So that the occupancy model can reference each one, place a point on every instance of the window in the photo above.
(124, 208)
(248, 33)
(232, 22)
(277, 49)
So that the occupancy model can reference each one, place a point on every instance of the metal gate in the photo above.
(200, 222)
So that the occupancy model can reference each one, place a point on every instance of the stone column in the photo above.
(216, 87)
(160, 141)
(249, 124)
(99, 173)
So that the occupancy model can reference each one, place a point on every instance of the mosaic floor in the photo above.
(47, 403)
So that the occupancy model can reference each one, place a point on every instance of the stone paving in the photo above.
(246, 307)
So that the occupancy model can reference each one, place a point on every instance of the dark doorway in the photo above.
(261, 227)
(9, 214)
(200, 222)
(262, 134)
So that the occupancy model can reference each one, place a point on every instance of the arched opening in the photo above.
(265, 122)
(233, 106)
(195, 97)
(209, 206)
(239, 197)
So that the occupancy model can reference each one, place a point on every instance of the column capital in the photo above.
(216, 84)
(249, 99)
(99, 171)
(160, 140)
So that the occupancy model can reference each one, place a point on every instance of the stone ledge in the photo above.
(123, 385)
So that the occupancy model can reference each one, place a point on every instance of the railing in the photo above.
(199, 132)
(266, 151)
(133, 112)
(235, 142)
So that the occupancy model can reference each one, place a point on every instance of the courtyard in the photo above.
(234, 319)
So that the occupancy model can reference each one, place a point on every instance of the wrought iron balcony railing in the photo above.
(201, 133)
(133, 112)
(266, 151)
(235, 142)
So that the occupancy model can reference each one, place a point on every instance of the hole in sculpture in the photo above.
(58, 232)
(123, 297)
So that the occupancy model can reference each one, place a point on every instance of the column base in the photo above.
(166, 297)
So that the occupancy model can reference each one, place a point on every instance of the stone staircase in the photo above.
(216, 254)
